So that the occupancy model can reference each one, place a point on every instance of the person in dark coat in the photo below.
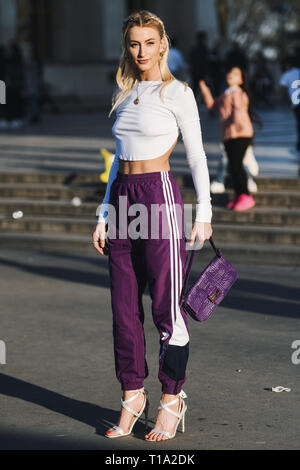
(15, 80)
(199, 60)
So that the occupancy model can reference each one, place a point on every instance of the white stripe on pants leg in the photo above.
(180, 336)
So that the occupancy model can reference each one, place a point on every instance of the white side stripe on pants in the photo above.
(180, 334)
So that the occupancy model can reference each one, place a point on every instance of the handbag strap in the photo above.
(188, 271)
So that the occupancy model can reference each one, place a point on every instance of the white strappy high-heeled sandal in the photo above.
(145, 409)
(180, 415)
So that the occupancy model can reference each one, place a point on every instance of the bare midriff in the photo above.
(147, 166)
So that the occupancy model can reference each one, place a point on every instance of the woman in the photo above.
(237, 133)
(151, 107)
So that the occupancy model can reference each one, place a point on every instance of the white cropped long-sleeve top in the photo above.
(149, 129)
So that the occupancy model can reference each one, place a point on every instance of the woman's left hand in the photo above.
(201, 229)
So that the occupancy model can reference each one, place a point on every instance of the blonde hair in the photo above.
(127, 73)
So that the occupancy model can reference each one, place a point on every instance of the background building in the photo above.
(77, 42)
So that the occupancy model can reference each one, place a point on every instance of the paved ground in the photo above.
(58, 388)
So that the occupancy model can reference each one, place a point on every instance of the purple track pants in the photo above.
(159, 262)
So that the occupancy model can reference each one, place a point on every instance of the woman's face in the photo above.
(144, 47)
(234, 77)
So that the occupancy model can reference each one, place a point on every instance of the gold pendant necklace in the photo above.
(137, 100)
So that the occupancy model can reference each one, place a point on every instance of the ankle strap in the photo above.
(181, 395)
(123, 402)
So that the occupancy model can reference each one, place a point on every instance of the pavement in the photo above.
(58, 386)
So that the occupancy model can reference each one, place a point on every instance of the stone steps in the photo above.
(285, 235)
(267, 234)
(269, 198)
(92, 192)
(59, 178)
(53, 208)
(54, 192)
(258, 215)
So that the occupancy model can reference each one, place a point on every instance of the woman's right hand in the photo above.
(99, 237)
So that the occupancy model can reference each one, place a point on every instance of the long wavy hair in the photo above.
(127, 76)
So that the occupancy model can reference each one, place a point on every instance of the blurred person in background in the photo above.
(198, 59)
(234, 56)
(290, 83)
(15, 84)
(262, 83)
(176, 61)
(215, 67)
(237, 131)
(33, 86)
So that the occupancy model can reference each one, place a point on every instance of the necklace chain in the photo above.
(137, 100)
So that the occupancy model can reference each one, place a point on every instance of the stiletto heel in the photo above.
(182, 423)
(144, 408)
(180, 416)
(146, 411)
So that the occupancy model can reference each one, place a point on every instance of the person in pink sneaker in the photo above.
(237, 131)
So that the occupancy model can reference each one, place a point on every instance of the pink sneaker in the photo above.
(244, 202)
(232, 203)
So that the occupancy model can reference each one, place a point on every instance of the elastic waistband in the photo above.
(140, 177)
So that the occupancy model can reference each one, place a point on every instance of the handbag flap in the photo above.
(196, 297)
(203, 290)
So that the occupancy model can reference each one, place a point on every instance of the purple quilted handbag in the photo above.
(210, 288)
